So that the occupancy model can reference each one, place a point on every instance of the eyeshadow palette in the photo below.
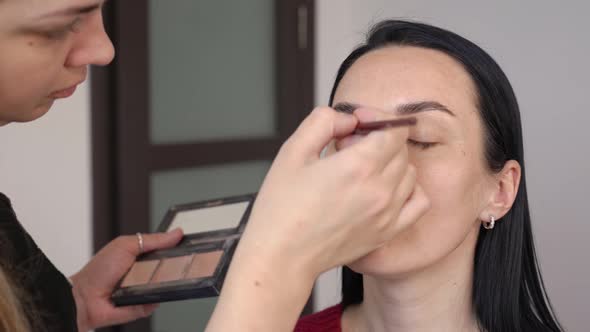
(196, 267)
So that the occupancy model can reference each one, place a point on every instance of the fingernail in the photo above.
(176, 230)
(366, 114)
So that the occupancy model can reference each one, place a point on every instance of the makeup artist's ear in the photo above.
(503, 194)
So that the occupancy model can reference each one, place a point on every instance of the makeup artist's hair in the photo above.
(12, 315)
(508, 290)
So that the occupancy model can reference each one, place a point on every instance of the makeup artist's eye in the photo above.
(61, 33)
(421, 145)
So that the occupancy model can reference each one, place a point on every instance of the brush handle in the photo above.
(367, 127)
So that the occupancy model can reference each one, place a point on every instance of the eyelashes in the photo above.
(350, 108)
(57, 34)
(421, 145)
(63, 32)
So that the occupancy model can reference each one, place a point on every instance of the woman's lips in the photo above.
(63, 93)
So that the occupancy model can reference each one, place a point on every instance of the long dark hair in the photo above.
(508, 290)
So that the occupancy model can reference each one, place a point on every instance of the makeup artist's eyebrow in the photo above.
(403, 109)
(79, 10)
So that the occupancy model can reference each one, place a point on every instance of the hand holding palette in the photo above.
(196, 267)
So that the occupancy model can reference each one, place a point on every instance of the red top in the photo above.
(327, 320)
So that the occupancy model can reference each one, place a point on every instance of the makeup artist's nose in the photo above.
(92, 45)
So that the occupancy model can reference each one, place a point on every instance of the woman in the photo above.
(469, 263)
(46, 49)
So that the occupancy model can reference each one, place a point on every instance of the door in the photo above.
(197, 103)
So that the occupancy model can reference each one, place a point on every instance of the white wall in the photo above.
(45, 170)
(544, 49)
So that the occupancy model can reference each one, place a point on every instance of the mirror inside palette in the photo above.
(196, 267)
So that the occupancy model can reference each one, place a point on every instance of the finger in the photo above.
(364, 114)
(318, 129)
(150, 241)
(347, 141)
(120, 315)
(401, 193)
(397, 168)
(155, 241)
(414, 208)
(404, 189)
(149, 309)
(377, 149)
(370, 114)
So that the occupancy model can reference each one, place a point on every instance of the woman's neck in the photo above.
(438, 298)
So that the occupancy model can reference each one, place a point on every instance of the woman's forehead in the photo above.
(398, 74)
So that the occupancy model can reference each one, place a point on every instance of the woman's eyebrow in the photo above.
(402, 109)
(346, 107)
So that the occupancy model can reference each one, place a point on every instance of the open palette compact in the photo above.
(196, 267)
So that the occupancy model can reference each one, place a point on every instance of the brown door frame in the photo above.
(122, 154)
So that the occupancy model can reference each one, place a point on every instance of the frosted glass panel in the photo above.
(212, 70)
(191, 185)
(198, 184)
(191, 315)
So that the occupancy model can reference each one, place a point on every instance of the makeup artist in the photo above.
(308, 217)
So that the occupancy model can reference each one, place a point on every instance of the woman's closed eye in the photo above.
(421, 144)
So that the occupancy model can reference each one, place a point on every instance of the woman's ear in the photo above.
(502, 197)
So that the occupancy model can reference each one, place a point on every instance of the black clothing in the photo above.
(48, 292)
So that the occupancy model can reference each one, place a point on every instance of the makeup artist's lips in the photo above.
(65, 93)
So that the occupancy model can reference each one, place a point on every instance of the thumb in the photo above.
(161, 240)
(120, 315)
(318, 129)
(414, 208)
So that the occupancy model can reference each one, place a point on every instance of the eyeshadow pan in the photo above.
(197, 265)
(171, 269)
(140, 273)
(204, 265)
(209, 219)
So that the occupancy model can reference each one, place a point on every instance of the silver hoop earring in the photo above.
(490, 224)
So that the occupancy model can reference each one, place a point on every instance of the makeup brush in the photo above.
(367, 127)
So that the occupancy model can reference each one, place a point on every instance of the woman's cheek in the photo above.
(453, 190)
(438, 178)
